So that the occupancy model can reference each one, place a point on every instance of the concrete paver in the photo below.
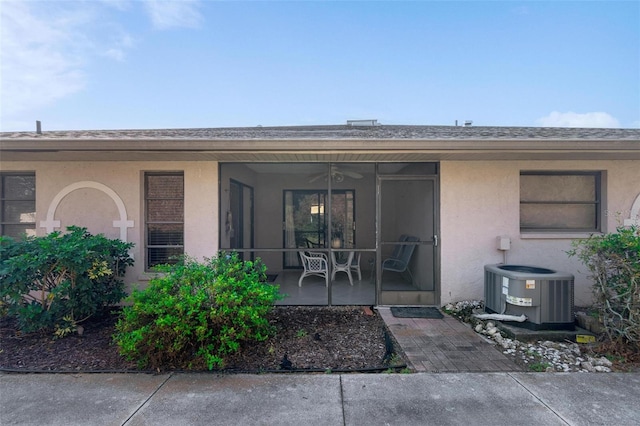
(276, 399)
(74, 399)
(444, 345)
(442, 399)
(348, 399)
(587, 399)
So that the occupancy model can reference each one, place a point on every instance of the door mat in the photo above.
(416, 312)
(271, 278)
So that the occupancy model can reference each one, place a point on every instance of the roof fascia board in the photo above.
(320, 145)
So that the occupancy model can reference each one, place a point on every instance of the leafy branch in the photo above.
(614, 263)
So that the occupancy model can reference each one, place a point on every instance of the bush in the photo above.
(614, 262)
(57, 281)
(197, 314)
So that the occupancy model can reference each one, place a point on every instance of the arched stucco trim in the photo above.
(634, 216)
(50, 224)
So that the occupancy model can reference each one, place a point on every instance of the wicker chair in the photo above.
(315, 264)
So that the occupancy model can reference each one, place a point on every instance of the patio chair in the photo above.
(340, 266)
(355, 265)
(399, 260)
(312, 244)
(397, 249)
(315, 264)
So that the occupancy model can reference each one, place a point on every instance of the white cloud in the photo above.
(119, 46)
(572, 119)
(166, 14)
(46, 48)
(115, 54)
(121, 5)
(39, 63)
(126, 40)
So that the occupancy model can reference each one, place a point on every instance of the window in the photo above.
(560, 201)
(164, 207)
(18, 204)
(306, 221)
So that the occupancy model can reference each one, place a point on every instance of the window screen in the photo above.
(560, 201)
(164, 199)
(18, 205)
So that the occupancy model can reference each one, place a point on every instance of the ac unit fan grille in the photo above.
(559, 303)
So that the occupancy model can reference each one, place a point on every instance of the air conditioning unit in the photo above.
(545, 296)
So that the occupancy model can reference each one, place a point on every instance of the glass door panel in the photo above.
(342, 219)
(307, 221)
(239, 218)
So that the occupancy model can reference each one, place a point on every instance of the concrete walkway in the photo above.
(320, 399)
(444, 345)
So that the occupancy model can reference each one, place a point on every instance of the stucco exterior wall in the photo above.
(480, 201)
(92, 203)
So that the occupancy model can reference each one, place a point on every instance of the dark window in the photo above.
(164, 207)
(18, 204)
(560, 201)
(306, 221)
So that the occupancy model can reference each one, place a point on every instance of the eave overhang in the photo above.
(312, 150)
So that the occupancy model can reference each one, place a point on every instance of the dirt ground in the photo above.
(318, 338)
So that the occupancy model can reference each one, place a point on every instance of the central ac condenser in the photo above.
(543, 295)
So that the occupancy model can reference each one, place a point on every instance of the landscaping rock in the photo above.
(546, 355)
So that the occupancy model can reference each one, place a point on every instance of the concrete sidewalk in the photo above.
(322, 399)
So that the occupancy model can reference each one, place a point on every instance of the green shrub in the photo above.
(614, 262)
(196, 314)
(59, 280)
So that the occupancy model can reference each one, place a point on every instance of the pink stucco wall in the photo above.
(480, 201)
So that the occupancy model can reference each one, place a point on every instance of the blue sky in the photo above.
(125, 64)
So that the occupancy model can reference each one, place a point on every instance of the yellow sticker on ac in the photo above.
(585, 338)
(530, 284)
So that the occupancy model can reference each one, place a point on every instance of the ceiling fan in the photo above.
(337, 174)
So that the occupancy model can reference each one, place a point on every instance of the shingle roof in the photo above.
(381, 132)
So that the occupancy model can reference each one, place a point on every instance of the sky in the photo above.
(134, 64)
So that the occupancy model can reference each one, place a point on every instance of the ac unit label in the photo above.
(519, 301)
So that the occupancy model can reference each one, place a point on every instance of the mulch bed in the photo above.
(311, 338)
